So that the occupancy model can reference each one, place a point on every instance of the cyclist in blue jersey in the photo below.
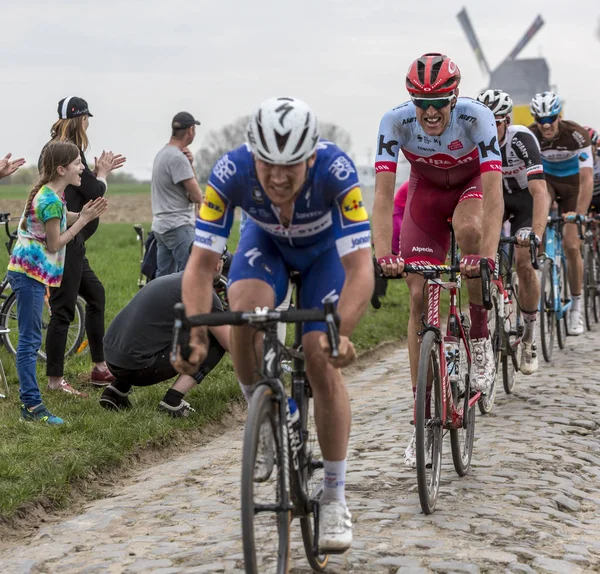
(305, 213)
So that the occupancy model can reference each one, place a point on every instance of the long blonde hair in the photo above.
(71, 130)
(56, 154)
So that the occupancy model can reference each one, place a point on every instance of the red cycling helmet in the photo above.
(593, 135)
(432, 74)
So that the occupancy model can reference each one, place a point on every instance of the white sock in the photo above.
(247, 390)
(529, 320)
(576, 305)
(335, 481)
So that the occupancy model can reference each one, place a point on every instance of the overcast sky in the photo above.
(137, 63)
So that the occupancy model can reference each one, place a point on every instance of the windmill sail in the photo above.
(531, 32)
(465, 22)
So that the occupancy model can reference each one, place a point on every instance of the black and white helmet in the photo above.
(545, 104)
(283, 131)
(498, 101)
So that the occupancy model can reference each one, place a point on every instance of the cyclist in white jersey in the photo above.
(525, 205)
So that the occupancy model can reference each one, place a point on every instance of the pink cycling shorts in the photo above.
(425, 235)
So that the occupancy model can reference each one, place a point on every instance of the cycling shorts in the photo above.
(425, 235)
(259, 256)
(566, 192)
(518, 210)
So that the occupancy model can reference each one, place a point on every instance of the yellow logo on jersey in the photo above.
(353, 206)
(213, 207)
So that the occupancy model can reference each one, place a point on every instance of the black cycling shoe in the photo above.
(183, 409)
(114, 400)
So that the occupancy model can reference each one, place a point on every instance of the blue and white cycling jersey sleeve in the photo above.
(215, 217)
(351, 227)
(586, 157)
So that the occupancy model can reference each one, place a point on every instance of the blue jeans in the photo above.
(173, 249)
(30, 304)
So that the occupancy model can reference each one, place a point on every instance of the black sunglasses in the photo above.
(437, 103)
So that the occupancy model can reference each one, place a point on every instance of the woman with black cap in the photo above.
(79, 278)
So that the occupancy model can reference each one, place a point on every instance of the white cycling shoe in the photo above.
(483, 368)
(529, 360)
(335, 527)
(575, 323)
(410, 454)
(265, 454)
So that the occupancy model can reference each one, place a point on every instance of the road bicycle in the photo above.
(76, 342)
(444, 399)
(591, 271)
(506, 316)
(555, 301)
(296, 483)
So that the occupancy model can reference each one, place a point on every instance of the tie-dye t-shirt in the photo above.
(30, 255)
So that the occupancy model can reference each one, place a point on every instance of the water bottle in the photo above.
(294, 424)
(452, 357)
(294, 413)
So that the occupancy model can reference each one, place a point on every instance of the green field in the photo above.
(21, 191)
(41, 464)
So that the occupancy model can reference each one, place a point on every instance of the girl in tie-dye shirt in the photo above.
(37, 261)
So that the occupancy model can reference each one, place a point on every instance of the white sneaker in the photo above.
(575, 323)
(483, 368)
(265, 454)
(335, 527)
(410, 454)
(529, 360)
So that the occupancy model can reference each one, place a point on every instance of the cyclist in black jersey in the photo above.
(595, 205)
(525, 206)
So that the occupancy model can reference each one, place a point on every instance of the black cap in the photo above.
(73, 107)
(184, 120)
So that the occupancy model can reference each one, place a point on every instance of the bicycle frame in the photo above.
(553, 250)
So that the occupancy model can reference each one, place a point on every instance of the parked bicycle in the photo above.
(295, 486)
(555, 301)
(76, 342)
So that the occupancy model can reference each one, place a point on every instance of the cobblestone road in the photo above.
(530, 503)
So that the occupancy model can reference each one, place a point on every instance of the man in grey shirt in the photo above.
(174, 193)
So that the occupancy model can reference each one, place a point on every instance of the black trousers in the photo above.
(161, 369)
(78, 279)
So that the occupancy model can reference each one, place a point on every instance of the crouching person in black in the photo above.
(137, 345)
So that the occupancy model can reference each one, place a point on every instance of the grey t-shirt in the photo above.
(171, 207)
(144, 327)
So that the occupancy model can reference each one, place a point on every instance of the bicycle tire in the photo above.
(588, 288)
(547, 312)
(511, 361)
(562, 327)
(429, 483)
(496, 329)
(263, 407)
(594, 279)
(75, 336)
(461, 456)
(312, 479)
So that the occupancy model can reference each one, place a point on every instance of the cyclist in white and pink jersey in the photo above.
(456, 172)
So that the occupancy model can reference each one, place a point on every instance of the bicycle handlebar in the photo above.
(533, 245)
(258, 318)
(578, 219)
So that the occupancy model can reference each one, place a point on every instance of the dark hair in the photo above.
(179, 133)
(70, 130)
(56, 154)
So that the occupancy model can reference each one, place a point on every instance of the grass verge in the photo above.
(39, 464)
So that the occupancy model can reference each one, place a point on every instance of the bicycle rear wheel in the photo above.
(547, 310)
(75, 334)
(312, 476)
(589, 286)
(595, 279)
(265, 531)
(495, 327)
(428, 422)
(562, 327)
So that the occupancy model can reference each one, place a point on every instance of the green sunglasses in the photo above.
(437, 103)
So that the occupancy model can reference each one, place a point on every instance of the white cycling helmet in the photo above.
(498, 101)
(545, 104)
(283, 131)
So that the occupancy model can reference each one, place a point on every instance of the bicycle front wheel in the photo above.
(266, 511)
(511, 360)
(428, 423)
(547, 310)
(589, 287)
(495, 328)
(562, 326)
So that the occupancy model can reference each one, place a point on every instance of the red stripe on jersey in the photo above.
(493, 165)
(381, 166)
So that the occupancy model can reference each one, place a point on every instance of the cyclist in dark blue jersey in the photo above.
(305, 213)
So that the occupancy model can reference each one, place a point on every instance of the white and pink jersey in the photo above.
(468, 147)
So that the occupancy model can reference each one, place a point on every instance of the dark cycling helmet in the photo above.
(593, 135)
(432, 73)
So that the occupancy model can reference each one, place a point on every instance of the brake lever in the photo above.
(332, 320)
(181, 335)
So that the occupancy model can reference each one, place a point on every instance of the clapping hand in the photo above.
(8, 167)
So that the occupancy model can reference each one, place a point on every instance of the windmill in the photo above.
(522, 79)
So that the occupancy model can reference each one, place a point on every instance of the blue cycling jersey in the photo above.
(328, 211)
